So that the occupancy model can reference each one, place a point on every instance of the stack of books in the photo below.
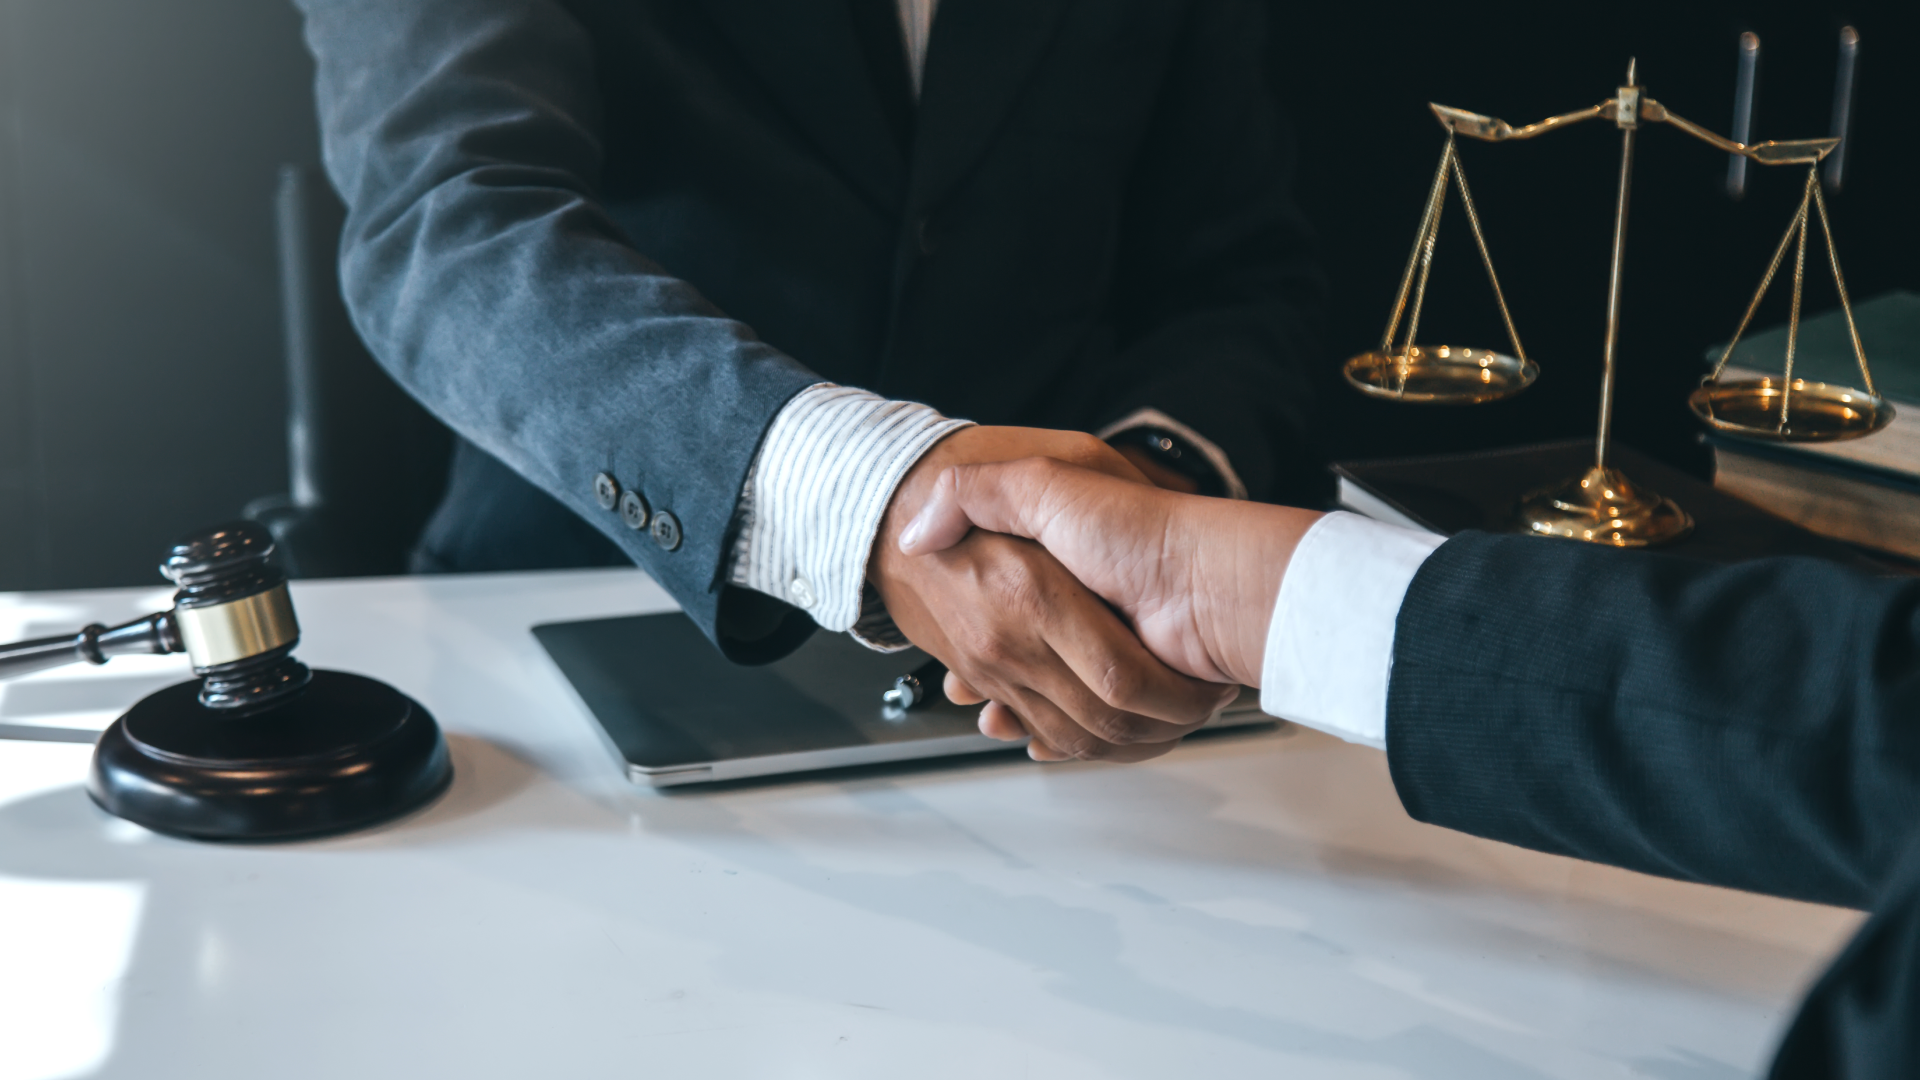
(1864, 491)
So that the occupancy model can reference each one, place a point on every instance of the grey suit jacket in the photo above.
(619, 234)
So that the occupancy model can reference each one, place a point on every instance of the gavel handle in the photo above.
(154, 635)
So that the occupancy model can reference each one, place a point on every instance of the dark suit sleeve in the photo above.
(1754, 725)
(483, 274)
(1219, 293)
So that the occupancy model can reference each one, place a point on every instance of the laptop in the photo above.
(679, 713)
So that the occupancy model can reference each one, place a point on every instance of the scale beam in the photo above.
(1772, 152)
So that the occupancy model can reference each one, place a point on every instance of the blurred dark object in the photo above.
(367, 464)
(1742, 130)
(1842, 104)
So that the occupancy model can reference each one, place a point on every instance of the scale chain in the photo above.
(1840, 283)
(1766, 282)
(1799, 284)
(1426, 265)
(1473, 220)
(1422, 241)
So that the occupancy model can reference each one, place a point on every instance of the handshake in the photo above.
(1097, 615)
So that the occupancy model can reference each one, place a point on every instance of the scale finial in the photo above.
(1632, 63)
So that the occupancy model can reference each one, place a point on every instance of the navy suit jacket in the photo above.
(1755, 726)
(620, 234)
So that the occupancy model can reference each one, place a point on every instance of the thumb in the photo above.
(1002, 497)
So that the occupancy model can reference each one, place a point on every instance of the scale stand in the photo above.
(1602, 505)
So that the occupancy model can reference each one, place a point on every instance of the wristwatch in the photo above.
(1176, 454)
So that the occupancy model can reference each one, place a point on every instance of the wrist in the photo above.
(1242, 551)
(909, 496)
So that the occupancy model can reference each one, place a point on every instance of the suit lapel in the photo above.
(978, 57)
(807, 53)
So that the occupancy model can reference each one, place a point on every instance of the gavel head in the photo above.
(260, 747)
(234, 617)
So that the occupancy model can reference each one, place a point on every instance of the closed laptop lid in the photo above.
(668, 699)
(679, 712)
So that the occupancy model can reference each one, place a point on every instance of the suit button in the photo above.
(666, 530)
(633, 510)
(923, 236)
(606, 490)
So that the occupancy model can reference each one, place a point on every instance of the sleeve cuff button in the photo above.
(606, 490)
(666, 530)
(802, 592)
(633, 510)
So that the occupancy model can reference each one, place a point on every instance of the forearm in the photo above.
(1747, 725)
(485, 276)
(464, 136)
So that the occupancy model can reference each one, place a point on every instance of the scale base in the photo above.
(1602, 506)
(1817, 411)
(1440, 375)
(344, 753)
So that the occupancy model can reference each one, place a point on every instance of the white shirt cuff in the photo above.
(1216, 457)
(1329, 648)
(815, 496)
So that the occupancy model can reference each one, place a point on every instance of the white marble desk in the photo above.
(1251, 905)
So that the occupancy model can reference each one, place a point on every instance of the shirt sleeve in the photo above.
(814, 498)
(1329, 647)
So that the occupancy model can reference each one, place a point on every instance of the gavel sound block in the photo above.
(260, 747)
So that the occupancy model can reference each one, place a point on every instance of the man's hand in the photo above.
(1196, 577)
(1015, 627)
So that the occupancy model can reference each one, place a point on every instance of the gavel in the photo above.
(259, 747)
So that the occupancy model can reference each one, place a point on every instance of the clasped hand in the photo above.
(1191, 582)
(1020, 633)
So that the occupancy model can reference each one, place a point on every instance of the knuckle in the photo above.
(1117, 728)
(1020, 589)
(1122, 686)
(979, 646)
(993, 652)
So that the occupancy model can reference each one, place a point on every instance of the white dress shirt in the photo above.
(1329, 650)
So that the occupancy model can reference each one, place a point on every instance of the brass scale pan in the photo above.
(1440, 375)
(1750, 408)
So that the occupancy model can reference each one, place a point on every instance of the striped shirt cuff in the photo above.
(814, 499)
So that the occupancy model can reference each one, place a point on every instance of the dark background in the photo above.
(141, 380)
(141, 385)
